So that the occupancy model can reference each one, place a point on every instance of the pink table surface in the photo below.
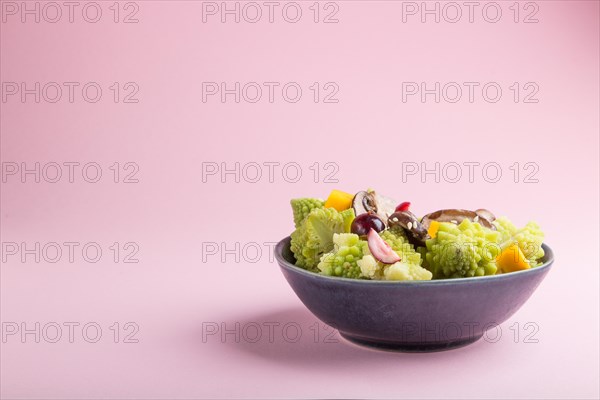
(191, 325)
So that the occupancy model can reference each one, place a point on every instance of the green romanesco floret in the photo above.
(302, 207)
(409, 267)
(370, 268)
(402, 271)
(351, 258)
(463, 250)
(397, 240)
(314, 236)
(348, 250)
(529, 239)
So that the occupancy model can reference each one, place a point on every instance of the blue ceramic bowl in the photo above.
(412, 316)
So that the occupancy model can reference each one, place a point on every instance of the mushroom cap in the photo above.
(364, 202)
(416, 232)
(455, 215)
(486, 214)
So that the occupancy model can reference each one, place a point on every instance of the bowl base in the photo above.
(427, 347)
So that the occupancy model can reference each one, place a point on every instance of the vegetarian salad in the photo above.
(369, 236)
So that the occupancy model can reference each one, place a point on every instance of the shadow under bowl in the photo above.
(414, 316)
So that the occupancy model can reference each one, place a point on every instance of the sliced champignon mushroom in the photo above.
(485, 214)
(416, 232)
(456, 216)
(385, 206)
(364, 202)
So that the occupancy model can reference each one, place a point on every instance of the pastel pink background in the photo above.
(170, 293)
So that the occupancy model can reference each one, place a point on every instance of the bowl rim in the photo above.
(283, 263)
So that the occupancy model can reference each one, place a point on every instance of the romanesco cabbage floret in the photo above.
(314, 236)
(302, 207)
(409, 268)
(351, 258)
(529, 239)
(402, 271)
(370, 268)
(463, 250)
(397, 240)
(348, 250)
